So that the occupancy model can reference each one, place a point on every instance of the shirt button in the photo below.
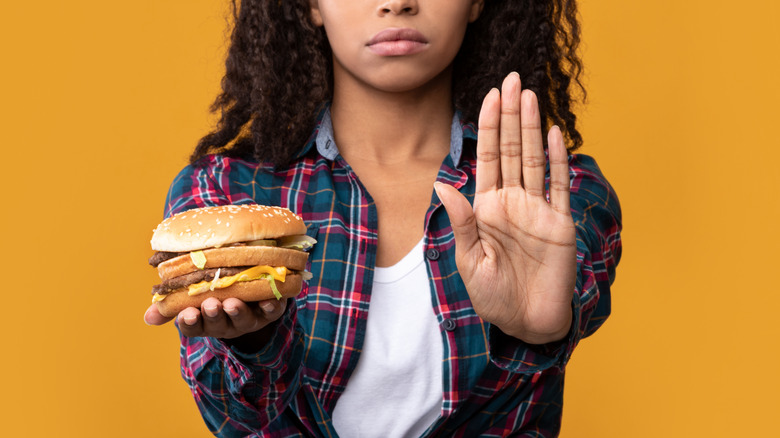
(449, 324)
(432, 254)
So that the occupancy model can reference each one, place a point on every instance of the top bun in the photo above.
(208, 227)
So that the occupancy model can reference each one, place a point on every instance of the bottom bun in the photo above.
(257, 290)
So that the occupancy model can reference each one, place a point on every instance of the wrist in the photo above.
(543, 334)
(254, 342)
(546, 338)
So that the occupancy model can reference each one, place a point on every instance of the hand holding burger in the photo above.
(234, 262)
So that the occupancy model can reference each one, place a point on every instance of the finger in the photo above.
(533, 148)
(190, 323)
(488, 170)
(215, 322)
(510, 142)
(464, 224)
(242, 317)
(559, 171)
(272, 309)
(153, 316)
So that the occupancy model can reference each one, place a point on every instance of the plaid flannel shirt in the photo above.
(494, 385)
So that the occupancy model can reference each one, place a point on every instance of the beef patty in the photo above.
(185, 280)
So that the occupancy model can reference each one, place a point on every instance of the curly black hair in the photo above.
(279, 72)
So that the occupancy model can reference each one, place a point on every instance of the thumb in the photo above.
(153, 316)
(462, 219)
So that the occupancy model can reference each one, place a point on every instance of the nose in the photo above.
(398, 7)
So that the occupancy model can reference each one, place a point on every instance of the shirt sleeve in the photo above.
(237, 393)
(597, 217)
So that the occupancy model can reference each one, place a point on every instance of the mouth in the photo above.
(397, 42)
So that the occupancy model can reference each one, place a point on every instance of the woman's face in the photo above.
(393, 45)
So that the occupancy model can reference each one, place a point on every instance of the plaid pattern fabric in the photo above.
(494, 385)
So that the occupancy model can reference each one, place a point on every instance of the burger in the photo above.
(251, 252)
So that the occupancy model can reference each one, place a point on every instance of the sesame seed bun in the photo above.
(227, 237)
(210, 227)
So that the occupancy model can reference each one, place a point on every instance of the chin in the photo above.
(410, 79)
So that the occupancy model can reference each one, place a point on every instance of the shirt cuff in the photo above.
(512, 354)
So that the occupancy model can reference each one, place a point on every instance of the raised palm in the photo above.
(515, 251)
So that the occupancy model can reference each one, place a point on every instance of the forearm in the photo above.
(239, 390)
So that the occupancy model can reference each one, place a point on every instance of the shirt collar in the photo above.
(322, 137)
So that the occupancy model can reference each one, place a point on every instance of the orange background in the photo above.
(103, 101)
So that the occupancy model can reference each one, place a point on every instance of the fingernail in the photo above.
(232, 311)
(191, 320)
(210, 311)
(268, 307)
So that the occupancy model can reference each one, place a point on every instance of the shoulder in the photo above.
(586, 176)
(213, 180)
(218, 180)
(594, 203)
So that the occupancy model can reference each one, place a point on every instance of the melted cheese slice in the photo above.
(254, 273)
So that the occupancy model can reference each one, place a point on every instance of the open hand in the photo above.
(515, 251)
(227, 320)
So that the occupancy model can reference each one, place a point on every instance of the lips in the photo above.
(394, 34)
(397, 42)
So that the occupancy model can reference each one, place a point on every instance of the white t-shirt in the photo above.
(396, 388)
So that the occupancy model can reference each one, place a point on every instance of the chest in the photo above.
(402, 197)
(347, 212)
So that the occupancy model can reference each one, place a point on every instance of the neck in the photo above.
(392, 127)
